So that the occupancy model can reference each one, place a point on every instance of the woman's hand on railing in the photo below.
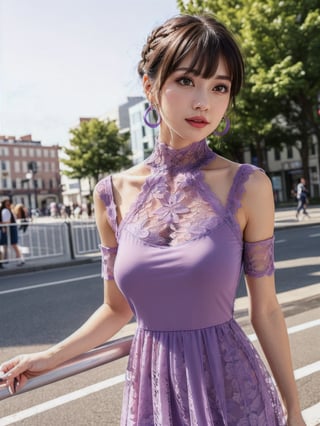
(15, 373)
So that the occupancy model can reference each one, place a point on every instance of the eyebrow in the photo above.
(218, 77)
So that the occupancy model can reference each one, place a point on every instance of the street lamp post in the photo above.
(28, 178)
(32, 170)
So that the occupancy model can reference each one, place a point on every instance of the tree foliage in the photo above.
(280, 41)
(96, 148)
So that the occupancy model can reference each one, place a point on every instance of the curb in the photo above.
(46, 266)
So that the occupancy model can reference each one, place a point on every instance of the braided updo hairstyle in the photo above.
(204, 37)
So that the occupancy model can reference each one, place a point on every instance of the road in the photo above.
(40, 308)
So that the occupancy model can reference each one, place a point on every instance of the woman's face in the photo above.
(190, 106)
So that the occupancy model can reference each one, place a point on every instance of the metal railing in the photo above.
(39, 240)
(85, 237)
(101, 355)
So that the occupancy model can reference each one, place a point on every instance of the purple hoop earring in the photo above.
(145, 117)
(225, 130)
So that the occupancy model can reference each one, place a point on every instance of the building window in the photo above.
(14, 184)
(3, 165)
(4, 183)
(313, 149)
(289, 151)
(50, 184)
(277, 154)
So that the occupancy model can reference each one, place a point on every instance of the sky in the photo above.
(65, 59)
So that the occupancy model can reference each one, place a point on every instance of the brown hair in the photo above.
(203, 36)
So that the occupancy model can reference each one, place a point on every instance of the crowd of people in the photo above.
(69, 211)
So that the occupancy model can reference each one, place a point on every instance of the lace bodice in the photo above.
(176, 205)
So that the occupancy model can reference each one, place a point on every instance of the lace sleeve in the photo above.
(258, 258)
(108, 257)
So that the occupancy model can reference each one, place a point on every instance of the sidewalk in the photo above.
(284, 218)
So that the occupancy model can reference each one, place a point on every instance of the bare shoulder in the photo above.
(221, 165)
(258, 185)
(132, 176)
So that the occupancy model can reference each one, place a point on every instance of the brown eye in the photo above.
(185, 81)
(222, 88)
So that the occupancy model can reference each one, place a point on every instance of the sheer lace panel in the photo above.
(173, 206)
(258, 258)
(174, 160)
(108, 257)
(172, 212)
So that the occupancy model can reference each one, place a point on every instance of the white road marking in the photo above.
(311, 415)
(301, 261)
(314, 235)
(307, 370)
(292, 330)
(64, 399)
(52, 283)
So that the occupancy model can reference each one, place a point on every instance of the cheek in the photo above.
(170, 96)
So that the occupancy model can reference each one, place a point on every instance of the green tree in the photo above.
(280, 41)
(96, 148)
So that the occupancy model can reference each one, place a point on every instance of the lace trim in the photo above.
(258, 258)
(108, 257)
(105, 192)
(237, 189)
(235, 195)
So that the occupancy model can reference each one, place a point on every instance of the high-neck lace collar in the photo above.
(175, 160)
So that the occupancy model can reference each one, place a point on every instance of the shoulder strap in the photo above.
(105, 191)
(237, 187)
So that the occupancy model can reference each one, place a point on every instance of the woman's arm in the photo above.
(265, 312)
(109, 318)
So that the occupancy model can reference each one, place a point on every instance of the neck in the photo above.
(185, 158)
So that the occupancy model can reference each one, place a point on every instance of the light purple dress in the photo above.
(178, 262)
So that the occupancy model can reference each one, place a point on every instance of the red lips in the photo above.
(197, 121)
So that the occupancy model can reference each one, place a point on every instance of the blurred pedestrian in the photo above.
(9, 231)
(302, 198)
(21, 214)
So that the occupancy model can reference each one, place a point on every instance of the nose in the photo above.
(200, 103)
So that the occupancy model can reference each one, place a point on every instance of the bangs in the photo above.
(205, 52)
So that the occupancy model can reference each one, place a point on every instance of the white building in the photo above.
(142, 136)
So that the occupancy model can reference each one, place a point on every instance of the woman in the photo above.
(175, 231)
